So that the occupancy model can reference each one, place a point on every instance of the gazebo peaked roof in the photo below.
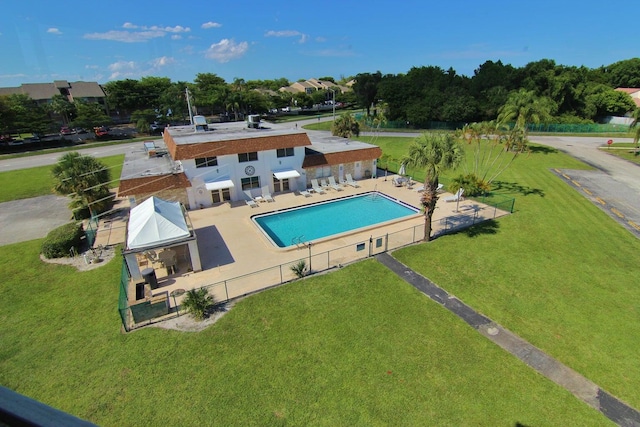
(156, 222)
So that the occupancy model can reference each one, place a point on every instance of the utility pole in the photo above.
(189, 105)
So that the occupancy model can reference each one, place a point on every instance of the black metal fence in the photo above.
(315, 262)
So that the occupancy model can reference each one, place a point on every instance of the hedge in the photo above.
(59, 241)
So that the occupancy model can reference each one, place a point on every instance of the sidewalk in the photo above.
(617, 411)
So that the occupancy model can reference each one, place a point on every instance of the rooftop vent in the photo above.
(253, 121)
(200, 123)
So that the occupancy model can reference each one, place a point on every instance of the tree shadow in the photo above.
(542, 149)
(490, 226)
(514, 187)
(464, 225)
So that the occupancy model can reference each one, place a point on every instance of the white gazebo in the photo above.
(158, 224)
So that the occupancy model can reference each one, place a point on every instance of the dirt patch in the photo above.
(186, 322)
(87, 260)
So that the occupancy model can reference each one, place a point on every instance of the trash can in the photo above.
(149, 276)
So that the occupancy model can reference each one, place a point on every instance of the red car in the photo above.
(65, 130)
(101, 131)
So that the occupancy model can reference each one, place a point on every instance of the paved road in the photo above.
(613, 185)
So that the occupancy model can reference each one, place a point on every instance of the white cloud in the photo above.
(134, 70)
(54, 31)
(122, 69)
(210, 24)
(91, 67)
(125, 36)
(138, 33)
(226, 50)
(176, 37)
(162, 61)
(11, 76)
(288, 33)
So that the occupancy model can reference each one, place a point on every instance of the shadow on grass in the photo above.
(514, 187)
(490, 226)
(542, 149)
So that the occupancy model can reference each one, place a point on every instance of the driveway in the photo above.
(28, 219)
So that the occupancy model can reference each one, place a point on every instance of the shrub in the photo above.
(198, 302)
(472, 184)
(299, 268)
(60, 240)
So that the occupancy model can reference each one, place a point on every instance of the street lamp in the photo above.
(334, 104)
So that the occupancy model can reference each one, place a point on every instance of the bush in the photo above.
(472, 184)
(299, 268)
(59, 241)
(198, 302)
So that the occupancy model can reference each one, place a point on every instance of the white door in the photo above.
(357, 170)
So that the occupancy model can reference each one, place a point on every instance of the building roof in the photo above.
(628, 90)
(230, 138)
(334, 150)
(145, 173)
(155, 222)
(46, 91)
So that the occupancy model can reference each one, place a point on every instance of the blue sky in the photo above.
(44, 40)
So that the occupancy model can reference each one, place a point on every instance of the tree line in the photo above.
(570, 94)
(424, 94)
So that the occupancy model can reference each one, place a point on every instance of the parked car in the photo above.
(65, 130)
(101, 131)
(156, 127)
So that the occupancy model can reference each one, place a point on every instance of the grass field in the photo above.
(560, 273)
(355, 347)
(33, 182)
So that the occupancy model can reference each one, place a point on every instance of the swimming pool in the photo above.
(308, 223)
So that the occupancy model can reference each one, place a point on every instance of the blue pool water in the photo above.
(325, 219)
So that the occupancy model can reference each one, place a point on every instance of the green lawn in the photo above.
(33, 182)
(560, 273)
(355, 347)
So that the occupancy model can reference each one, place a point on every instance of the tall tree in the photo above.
(435, 154)
(524, 107)
(89, 115)
(366, 89)
(635, 124)
(345, 126)
(60, 105)
(85, 180)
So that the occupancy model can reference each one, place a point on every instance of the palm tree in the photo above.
(435, 154)
(525, 107)
(198, 302)
(345, 126)
(85, 179)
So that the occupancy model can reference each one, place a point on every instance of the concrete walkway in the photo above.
(617, 411)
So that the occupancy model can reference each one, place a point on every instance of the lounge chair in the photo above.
(266, 195)
(333, 184)
(455, 197)
(250, 201)
(350, 181)
(420, 188)
(399, 181)
(305, 193)
(323, 184)
(316, 187)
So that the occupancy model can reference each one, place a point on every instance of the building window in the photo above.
(251, 182)
(205, 162)
(248, 157)
(284, 152)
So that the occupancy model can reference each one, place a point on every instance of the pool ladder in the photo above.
(298, 241)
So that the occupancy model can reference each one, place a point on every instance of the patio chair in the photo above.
(250, 201)
(398, 181)
(323, 184)
(316, 187)
(333, 184)
(350, 181)
(456, 197)
(305, 193)
(266, 195)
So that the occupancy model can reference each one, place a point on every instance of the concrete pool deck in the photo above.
(231, 245)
